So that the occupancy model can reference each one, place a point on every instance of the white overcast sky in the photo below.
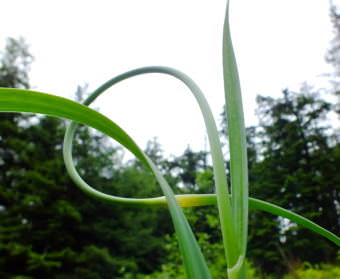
(278, 44)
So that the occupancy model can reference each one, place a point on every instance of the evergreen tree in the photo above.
(333, 53)
(186, 168)
(297, 170)
(15, 64)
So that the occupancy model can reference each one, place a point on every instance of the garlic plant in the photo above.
(232, 207)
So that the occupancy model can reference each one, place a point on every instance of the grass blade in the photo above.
(296, 218)
(15, 100)
(237, 138)
(256, 204)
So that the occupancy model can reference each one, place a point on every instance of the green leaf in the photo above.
(15, 100)
(210, 199)
(223, 203)
(237, 143)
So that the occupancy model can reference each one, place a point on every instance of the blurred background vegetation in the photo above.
(49, 229)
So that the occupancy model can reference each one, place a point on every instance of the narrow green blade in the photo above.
(210, 199)
(15, 100)
(296, 218)
(237, 139)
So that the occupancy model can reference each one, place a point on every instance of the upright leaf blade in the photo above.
(237, 138)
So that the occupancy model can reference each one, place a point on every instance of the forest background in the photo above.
(50, 229)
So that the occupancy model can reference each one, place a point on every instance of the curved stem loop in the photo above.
(223, 203)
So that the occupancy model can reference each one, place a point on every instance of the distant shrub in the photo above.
(308, 271)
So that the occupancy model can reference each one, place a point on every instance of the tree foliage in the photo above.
(333, 52)
(297, 168)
